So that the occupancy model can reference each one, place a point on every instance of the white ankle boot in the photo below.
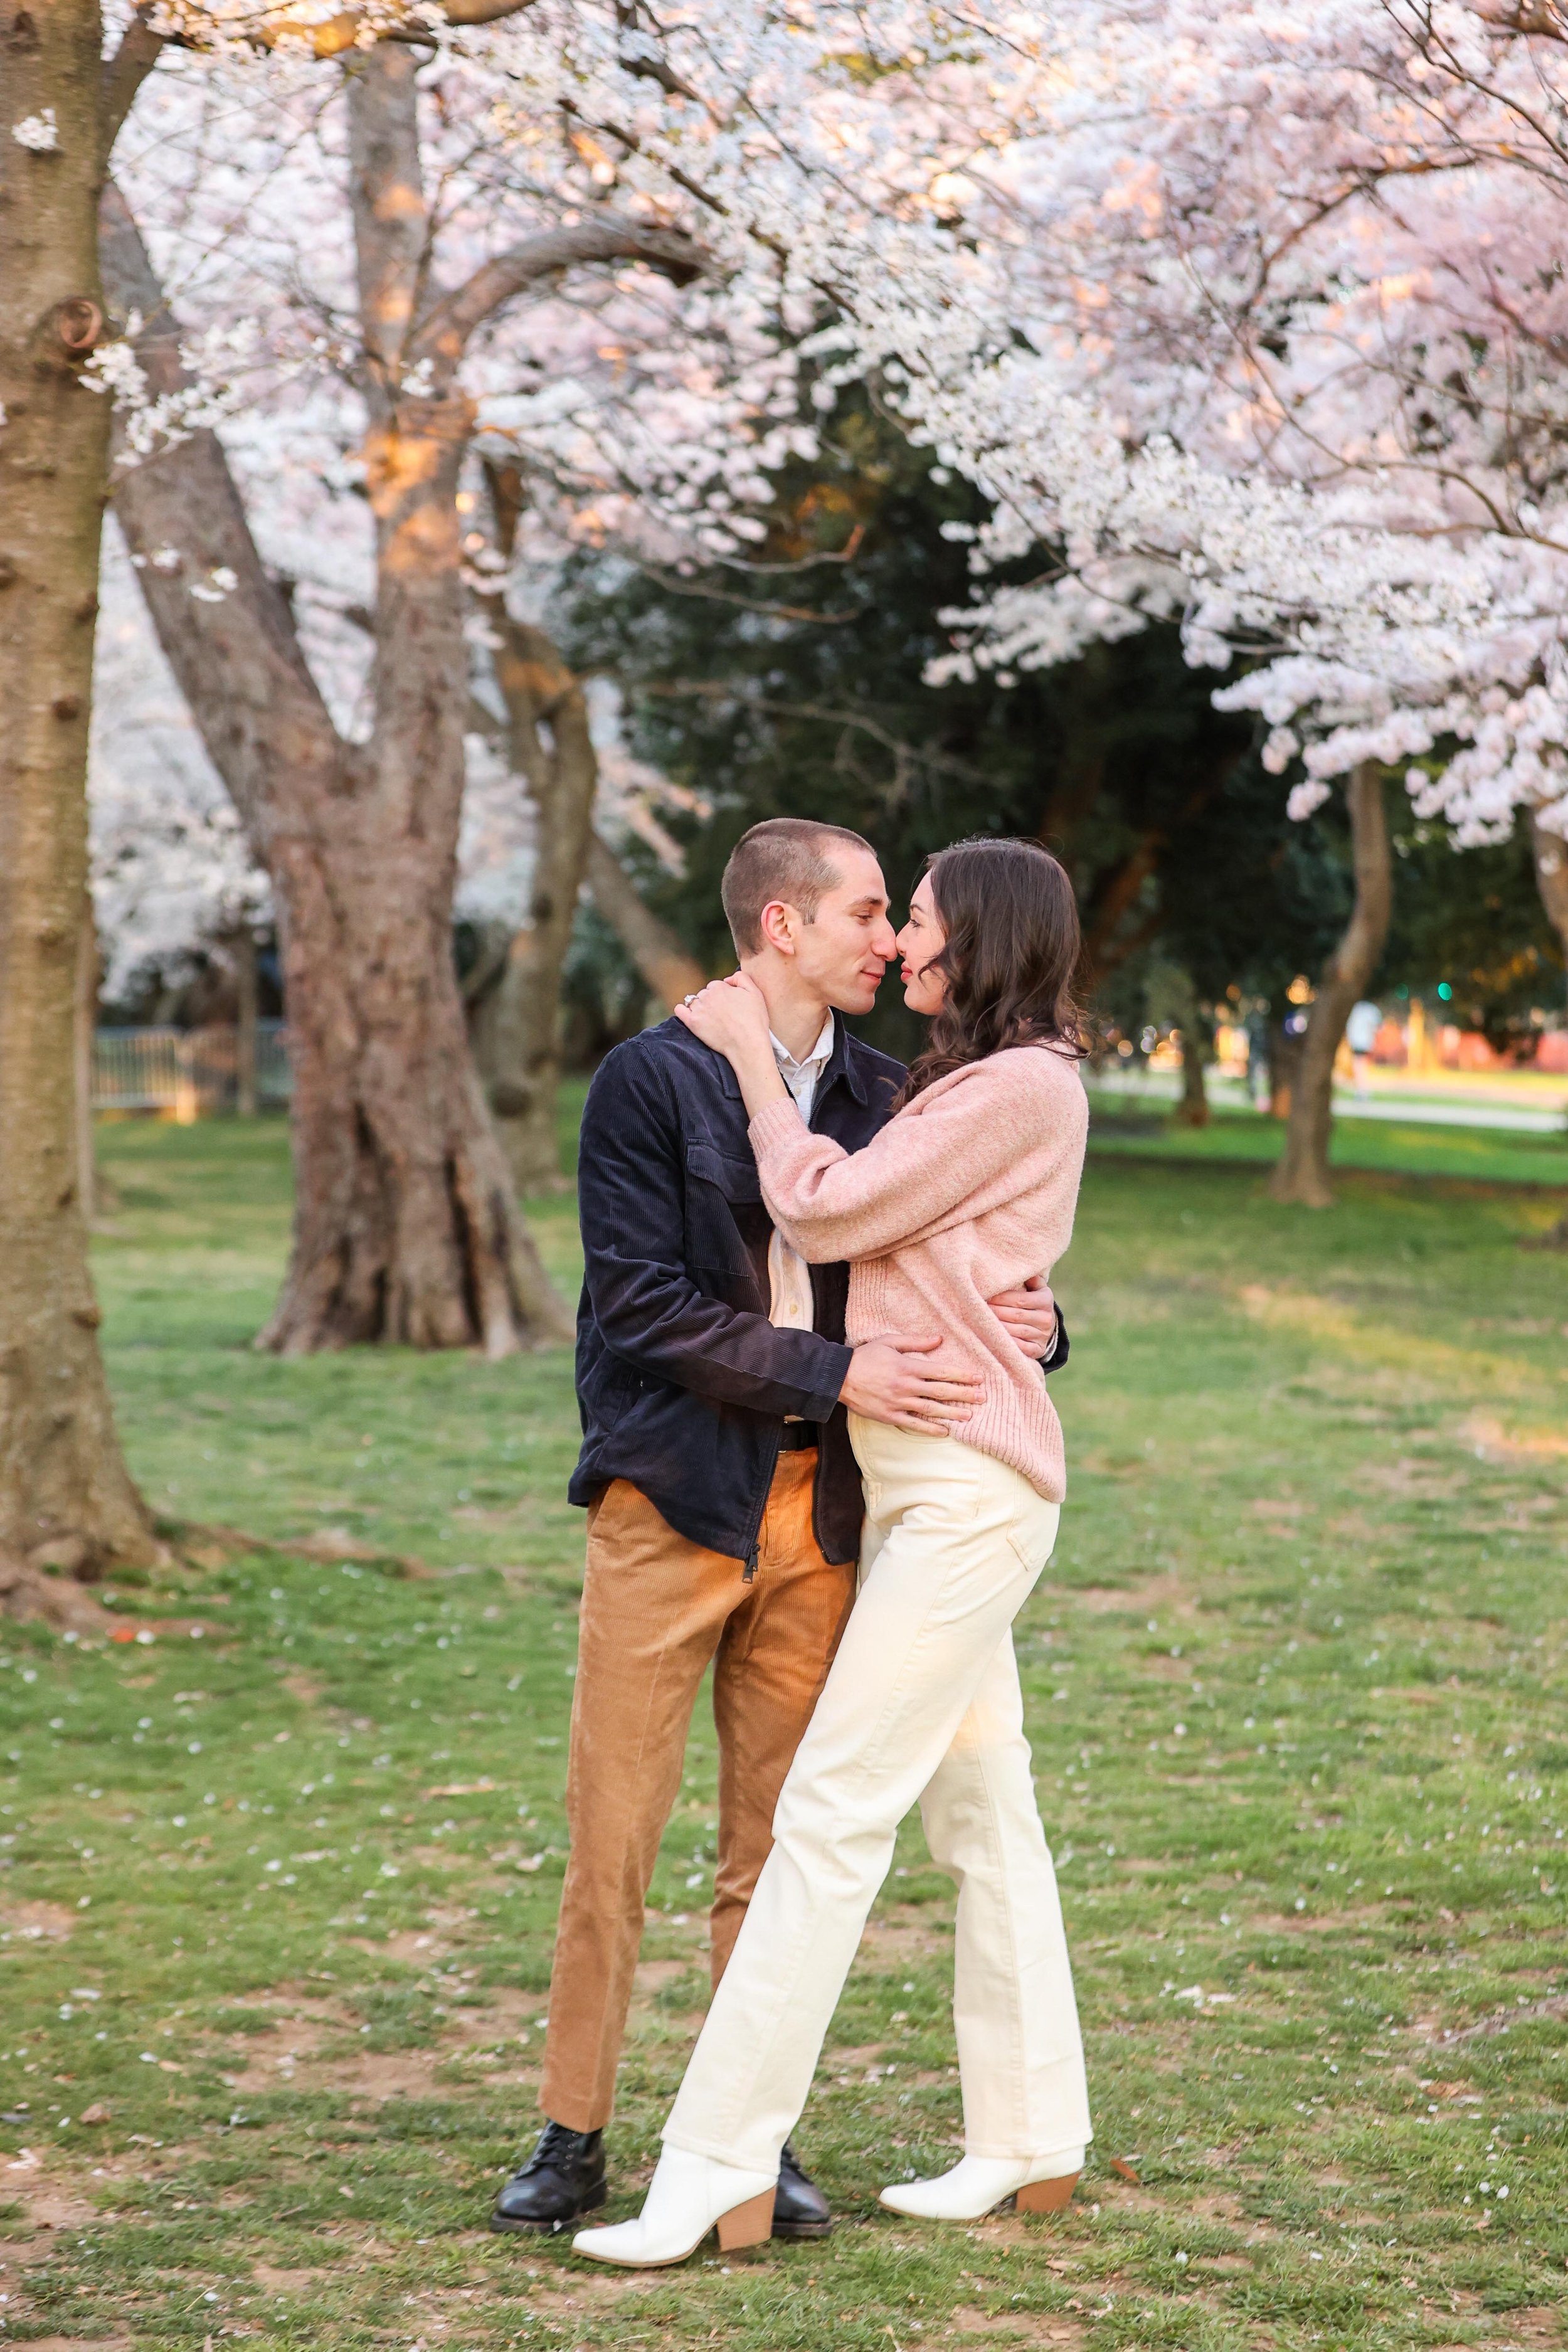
(978, 2184)
(688, 2196)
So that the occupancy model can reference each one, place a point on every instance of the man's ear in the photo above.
(778, 923)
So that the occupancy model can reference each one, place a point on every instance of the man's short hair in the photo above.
(785, 857)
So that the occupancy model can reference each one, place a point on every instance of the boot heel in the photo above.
(1047, 2196)
(747, 2224)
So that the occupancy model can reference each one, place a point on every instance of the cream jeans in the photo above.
(922, 1702)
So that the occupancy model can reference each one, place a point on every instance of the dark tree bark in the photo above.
(84, 1027)
(515, 1011)
(1551, 854)
(406, 1226)
(1550, 851)
(66, 1497)
(1193, 1110)
(1302, 1174)
(670, 972)
(516, 1021)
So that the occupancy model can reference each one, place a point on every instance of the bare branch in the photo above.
(675, 587)
(609, 236)
(124, 74)
(856, 721)
(334, 37)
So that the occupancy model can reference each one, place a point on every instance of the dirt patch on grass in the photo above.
(1531, 2330)
(1142, 1593)
(79, 2343)
(652, 1976)
(49, 2206)
(1486, 1433)
(589, 2291)
(1315, 1923)
(37, 1922)
(895, 1939)
(274, 2282)
(970, 2325)
(272, 2059)
(1532, 2013)
(312, 2051)
(1408, 1475)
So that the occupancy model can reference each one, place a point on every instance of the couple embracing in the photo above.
(819, 1455)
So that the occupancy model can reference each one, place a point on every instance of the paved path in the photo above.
(1526, 1106)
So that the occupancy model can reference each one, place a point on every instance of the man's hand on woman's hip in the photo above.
(889, 1380)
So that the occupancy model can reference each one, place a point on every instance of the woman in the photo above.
(969, 1189)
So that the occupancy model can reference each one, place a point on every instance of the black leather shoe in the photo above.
(563, 2179)
(800, 2209)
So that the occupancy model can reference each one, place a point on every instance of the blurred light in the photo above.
(1443, 991)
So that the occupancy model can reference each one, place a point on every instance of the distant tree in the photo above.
(1472, 920)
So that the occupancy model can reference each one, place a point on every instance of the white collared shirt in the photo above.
(790, 1305)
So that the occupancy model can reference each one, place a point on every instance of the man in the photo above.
(724, 1501)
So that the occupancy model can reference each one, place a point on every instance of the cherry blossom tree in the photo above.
(66, 1501)
(379, 201)
(1255, 319)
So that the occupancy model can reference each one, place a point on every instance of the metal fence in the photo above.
(189, 1072)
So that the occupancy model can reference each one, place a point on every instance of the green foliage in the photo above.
(818, 706)
(1410, 1150)
(802, 690)
(1472, 920)
(1295, 1686)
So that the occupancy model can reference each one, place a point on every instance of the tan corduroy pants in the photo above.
(656, 1610)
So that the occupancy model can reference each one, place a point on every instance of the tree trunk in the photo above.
(242, 953)
(1193, 1110)
(84, 1025)
(550, 745)
(652, 946)
(66, 1498)
(1302, 1174)
(405, 1226)
(1551, 854)
(516, 1018)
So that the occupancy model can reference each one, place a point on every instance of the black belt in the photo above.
(799, 1436)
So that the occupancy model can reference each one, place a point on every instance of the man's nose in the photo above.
(883, 942)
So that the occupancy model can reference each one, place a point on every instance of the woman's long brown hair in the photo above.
(1010, 958)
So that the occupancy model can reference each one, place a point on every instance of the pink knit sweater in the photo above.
(969, 1190)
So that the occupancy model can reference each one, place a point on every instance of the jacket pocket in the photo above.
(726, 1220)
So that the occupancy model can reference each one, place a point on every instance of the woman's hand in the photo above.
(1029, 1315)
(732, 1015)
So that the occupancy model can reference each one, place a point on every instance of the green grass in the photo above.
(278, 1897)
(1389, 1147)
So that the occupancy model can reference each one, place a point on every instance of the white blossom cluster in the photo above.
(37, 132)
(776, 136)
(1258, 319)
(1248, 312)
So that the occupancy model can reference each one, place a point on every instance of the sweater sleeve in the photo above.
(906, 1182)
